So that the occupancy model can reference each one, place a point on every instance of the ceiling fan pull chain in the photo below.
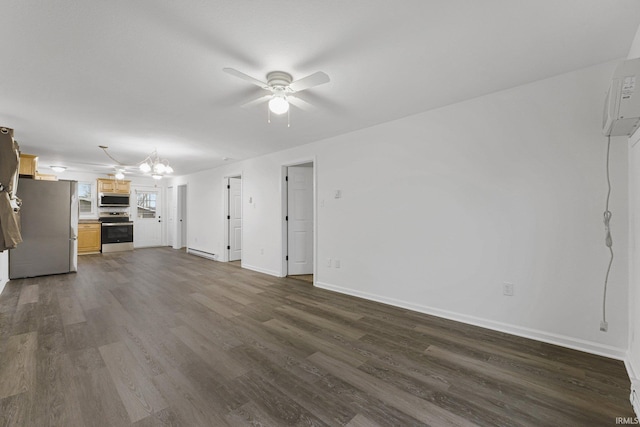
(268, 116)
(289, 118)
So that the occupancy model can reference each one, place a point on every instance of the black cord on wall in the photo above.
(607, 241)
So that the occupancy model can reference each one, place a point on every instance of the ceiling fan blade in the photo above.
(297, 102)
(257, 101)
(312, 80)
(245, 77)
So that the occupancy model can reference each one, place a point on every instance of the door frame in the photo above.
(170, 216)
(180, 206)
(226, 212)
(284, 198)
(133, 209)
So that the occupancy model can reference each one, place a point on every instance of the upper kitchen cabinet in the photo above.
(113, 186)
(28, 165)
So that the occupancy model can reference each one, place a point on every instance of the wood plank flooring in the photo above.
(159, 337)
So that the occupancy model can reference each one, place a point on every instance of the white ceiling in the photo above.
(139, 75)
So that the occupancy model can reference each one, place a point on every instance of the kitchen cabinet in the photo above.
(113, 186)
(89, 238)
(28, 165)
(45, 177)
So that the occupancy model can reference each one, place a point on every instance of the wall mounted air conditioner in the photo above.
(622, 105)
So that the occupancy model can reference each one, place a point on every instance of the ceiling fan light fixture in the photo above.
(278, 105)
(156, 176)
(119, 174)
(58, 169)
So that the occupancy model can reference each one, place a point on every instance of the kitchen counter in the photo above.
(88, 221)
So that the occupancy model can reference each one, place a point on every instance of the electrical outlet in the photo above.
(336, 263)
(329, 262)
(507, 289)
(604, 326)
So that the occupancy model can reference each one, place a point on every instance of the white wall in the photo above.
(205, 208)
(439, 209)
(634, 241)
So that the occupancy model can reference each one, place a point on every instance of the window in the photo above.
(146, 203)
(86, 199)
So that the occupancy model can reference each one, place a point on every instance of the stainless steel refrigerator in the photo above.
(49, 224)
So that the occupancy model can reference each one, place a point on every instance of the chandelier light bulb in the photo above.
(168, 169)
(119, 175)
(159, 168)
(278, 105)
(145, 168)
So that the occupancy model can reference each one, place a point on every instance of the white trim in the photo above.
(183, 236)
(202, 254)
(561, 340)
(629, 367)
(635, 385)
(94, 200)
(4, 269)
(226, 211)
(261, 270)
(225, 221)
(284, 197)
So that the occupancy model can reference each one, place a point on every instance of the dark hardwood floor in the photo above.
(159, 337)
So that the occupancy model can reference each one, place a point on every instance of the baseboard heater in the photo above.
(202, 254)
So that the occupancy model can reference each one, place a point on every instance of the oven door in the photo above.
(117, 236)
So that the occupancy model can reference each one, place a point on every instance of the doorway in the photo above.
(170, 217)
(300, 221)
(181, 218)
(234, 218)
(147, 218)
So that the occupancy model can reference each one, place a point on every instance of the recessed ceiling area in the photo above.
(148, 75)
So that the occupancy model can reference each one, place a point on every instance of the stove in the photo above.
(117, 232)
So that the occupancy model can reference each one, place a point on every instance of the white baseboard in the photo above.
(561, 340)
(261, 270)
(202, 254)
(634, 395)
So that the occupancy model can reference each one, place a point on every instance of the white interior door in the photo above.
(147, 227)
(234, 218)
(181, 218)
(300, 220)
(171, 216)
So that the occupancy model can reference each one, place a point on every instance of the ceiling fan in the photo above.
(282, 89)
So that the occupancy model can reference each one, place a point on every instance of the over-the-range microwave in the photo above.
(113, 200)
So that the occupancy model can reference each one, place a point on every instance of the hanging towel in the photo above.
(9, 218)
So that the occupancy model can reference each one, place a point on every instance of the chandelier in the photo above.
(152, 165)
(155, 166)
